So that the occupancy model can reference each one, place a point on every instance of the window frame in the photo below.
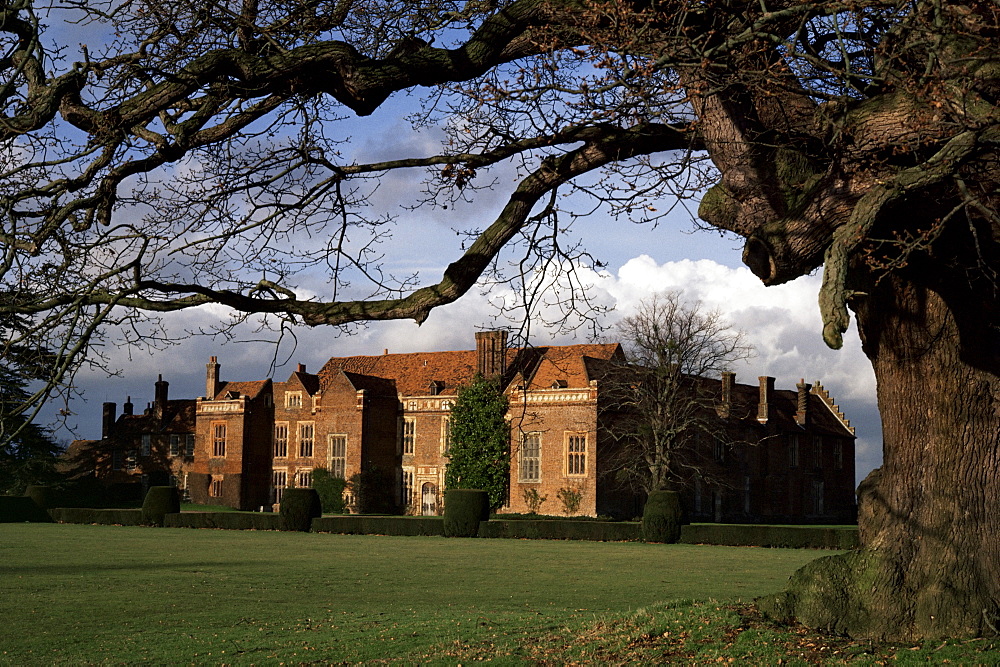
(307, 443)
(275, 440)
(408, 436)
(446, 435)
(293, 400)
(529, 468)
(793, 450)
(219, 442)
(278, 490)
(572, 459)
(334, 441)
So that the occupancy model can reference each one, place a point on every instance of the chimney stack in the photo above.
(127, 406)
(802, 405)
(728, 381)
(212, 384)
(491, 352)
(301, 368)
(160, 396)
(107, 418)
(766, 390)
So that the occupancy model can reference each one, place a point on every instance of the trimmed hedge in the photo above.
(226, 520)
(751, 535)
(661, 517)
(464, 509)
(380, 525)
(44, 496)
(299, 507)
(20, 509)
(107, 517)
(526, 529)
(160, 501)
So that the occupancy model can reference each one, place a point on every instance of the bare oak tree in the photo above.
(200, 156)
(664, 398)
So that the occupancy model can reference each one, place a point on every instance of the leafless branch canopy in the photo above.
(203, 153)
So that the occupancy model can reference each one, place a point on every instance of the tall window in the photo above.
(281, 440)
(132, 460)
(306, 439)
(409, 434)
(279, 480)
(576, 454)
(338, 456)
(793, 451)
(818, 451)
(293, 399)
(446, 435)
(117, 459)
(175, 444)
(531, 457)
(304, 479)
(147, 444)
(215, 488)
(189, 444)
(407, 487)
(838, 455)
(219, 439)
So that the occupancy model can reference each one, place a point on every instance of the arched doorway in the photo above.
(428, 499)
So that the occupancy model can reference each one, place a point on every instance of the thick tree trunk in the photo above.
(929, 518)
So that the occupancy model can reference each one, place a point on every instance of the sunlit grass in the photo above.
(91, 594)
(109, 593)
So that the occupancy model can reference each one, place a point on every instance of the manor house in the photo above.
(244, 442)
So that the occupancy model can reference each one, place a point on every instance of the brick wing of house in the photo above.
(388, 416)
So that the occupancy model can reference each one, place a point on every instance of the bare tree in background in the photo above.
(201, 155)
(663, 401)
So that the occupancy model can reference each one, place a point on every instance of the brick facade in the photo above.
(387, 415)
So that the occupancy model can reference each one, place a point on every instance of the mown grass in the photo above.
(90, 594)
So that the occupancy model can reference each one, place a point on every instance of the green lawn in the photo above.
(108, 593)
(89, 594)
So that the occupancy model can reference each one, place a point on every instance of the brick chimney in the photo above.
(127, 406)
(160, 396)
(491, 352)
(802, 404)
(107, 418)
(301, 368)
(728, 382)
(766, 391)
(212, 384)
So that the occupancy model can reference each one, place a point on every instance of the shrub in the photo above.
(18, 509)
(463, 510)
(44, 496)
(369, 490)
(299, 507)
(330, 490)
(379, 525)
(480, 441)
(160, 501)
(533, 499)
(106, 517)
(570, 499)
(661, 517)
(226, 520)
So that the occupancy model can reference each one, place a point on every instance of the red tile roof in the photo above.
(251, 389)
(414, 372)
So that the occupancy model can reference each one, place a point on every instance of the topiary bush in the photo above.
(18, 509)
(661, 517)
(299, 507)
(44, 496)
(160, 501)
(330, 490)
(463, 510)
